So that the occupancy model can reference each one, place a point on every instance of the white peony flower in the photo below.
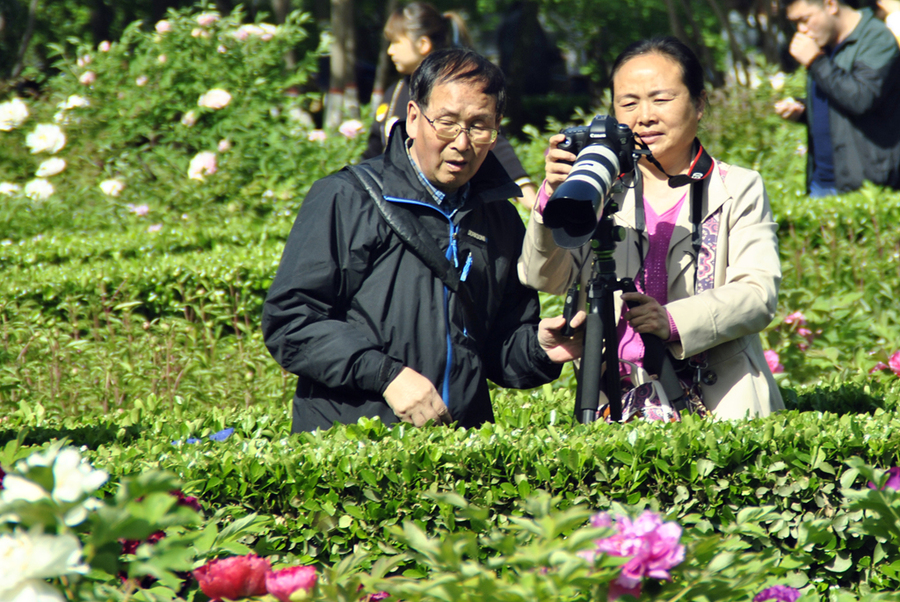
(38, 189)
(50, 167)
(73, 478)
(87, 78)
(163, 26)
(112, 187)
(216, 98)
(9, 189)
(73, 102)
(13, 113)
(46, 138)
(351, 128)
(17, 488)
(189, 119)
(207, 19)
(27, 559)
(202, 164)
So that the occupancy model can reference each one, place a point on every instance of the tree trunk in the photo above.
(523, 46)
(342, 80)
(281, 9)
(383, 69)
(696, 44)
(26, 40)
(741, 64)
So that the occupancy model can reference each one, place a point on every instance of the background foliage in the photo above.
(129, 326)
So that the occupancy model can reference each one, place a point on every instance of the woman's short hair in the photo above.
(673, 48)
(453, 65)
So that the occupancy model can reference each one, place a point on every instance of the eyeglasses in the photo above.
(448, 130)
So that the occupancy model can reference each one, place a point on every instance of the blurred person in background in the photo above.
(414, 31)
(852, 105)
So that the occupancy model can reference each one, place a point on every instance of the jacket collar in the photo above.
(490, 183)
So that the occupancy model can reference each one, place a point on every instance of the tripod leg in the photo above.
(591, 364)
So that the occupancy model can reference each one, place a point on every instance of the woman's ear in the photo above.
(701, 104)
(424, 45)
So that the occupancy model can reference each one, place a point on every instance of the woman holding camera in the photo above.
(414, 31)
(707, 279)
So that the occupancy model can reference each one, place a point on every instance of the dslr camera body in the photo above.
(605, 150)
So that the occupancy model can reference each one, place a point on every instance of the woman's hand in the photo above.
(648, 317)
(555, 169)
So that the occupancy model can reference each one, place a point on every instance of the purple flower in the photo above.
(893, 481)
(222, 435)
(780, 593)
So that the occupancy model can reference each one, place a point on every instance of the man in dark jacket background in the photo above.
(852, 107)
(361, 310)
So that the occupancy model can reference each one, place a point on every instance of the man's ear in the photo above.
(412, 119)
(832, 7)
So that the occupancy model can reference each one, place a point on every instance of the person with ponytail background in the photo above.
(414, 31)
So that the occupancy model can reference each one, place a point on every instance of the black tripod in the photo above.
(601, 341)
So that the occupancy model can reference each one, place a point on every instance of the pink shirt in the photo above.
(656, 278)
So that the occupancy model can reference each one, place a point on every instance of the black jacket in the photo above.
(351, 304)
(394, 110)
(862, 83)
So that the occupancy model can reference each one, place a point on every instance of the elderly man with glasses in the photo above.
(397, 295)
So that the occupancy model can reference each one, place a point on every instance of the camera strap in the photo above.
(656, 359)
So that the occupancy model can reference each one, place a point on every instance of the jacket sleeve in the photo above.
(744, 303)
(513, 356)
(863, 87)
(323, 265)
(545, 266)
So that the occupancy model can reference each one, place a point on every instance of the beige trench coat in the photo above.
(725, 320)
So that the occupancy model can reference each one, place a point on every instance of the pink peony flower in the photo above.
(84, 61)
(224, 145)
(203, 163)
(651, 545)
(351, 128)
(87, 78)
(780, 593)
(774, 361)
(894, 363)
(163, 26)
(104, 46)
(162, 58)
(317, 136)
(796, 317)
(233, 578)
(189, 119)
(141, 81)
(282, 584)
(879, 366)
(139, 210)
(216, 98)
(893, 481)
(154, 228)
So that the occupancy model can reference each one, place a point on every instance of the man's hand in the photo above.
(804, 49)
(562, 349)
(790, 109)
(414, 399)
(648, 317)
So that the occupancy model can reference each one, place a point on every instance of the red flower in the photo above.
(233, 578)
(187, 500)
(285, 582)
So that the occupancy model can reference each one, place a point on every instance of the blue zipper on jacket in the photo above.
(452, 256)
